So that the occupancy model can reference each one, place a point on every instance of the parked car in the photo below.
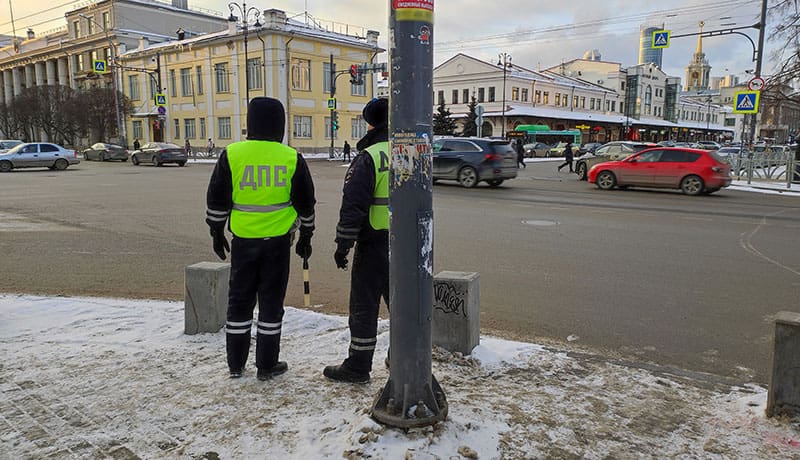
(589, 147)
(38, 155)
(729, 153)
(536, 149)
(694, 171)
(102, 152)
(708, 145)
(471, 160)
(616, 150)
(159, 153)
(6, 145)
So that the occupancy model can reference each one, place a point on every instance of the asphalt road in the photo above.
(651, 276)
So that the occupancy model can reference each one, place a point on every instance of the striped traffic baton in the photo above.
(306, 286)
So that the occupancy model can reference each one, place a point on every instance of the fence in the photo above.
(766, 167)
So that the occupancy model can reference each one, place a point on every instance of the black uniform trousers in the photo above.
(259, 271)
(368, 283)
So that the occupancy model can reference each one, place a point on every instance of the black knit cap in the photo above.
(266, 119)
(376, 112)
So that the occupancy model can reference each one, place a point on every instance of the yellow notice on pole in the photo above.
(413, 10)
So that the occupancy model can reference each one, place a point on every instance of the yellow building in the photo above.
(206, 80)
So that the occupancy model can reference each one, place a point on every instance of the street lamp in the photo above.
(120, 122)
(504, 59)
(245, 12)
(708, 116)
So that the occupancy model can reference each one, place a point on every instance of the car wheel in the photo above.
(581, 171)
(495, 182)
(61, 164)
(606, 180)
(692, 185)
(468, 177)
(181, 163)
(135, 160)
(155, 161)
(6, 166)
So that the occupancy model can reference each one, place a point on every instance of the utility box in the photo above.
(783, 397)
(456, 311)
(206, 297)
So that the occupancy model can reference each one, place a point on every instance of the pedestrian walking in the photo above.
(364, 223)
(210, 147)
(346, 152)
(567, 157)
(187, 147)
(136, 145)
(520, 152)
(264, 191)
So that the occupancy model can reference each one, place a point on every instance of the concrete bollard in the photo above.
(783, 397)
(206, 297)
(456, 311)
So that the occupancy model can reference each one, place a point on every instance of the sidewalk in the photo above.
(100, 378)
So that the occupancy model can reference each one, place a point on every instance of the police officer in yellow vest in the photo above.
(364, 222)
(263, 189)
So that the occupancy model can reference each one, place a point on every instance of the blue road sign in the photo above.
(660, 39)
(746, 102)
(331, 103)
(99, 66)
(162, 110)
(161, 100)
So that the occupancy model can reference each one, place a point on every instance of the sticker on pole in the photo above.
(413, 10)
(746, 102)
(660, 39)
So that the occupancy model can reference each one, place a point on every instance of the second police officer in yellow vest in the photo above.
(264, 190)
(364, 223)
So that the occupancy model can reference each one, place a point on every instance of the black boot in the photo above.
(342, 373)
(278, 369)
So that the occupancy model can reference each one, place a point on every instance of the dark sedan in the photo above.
(103, 152)
(159, 153)
(470, 160)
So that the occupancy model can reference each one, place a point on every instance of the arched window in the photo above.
(648, 100)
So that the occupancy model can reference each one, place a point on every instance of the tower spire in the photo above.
(700, 39)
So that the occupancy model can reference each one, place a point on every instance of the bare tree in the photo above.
(785, 15)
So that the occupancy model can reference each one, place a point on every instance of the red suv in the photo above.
(691, 170)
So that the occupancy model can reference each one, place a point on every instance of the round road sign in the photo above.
(755, 84)
(162, 110)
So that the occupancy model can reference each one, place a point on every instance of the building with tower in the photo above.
(698, 72)
(648, 54)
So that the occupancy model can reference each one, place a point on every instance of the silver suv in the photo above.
(617, 150)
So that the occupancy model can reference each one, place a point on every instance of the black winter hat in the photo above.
(266, 119)
(376, 112)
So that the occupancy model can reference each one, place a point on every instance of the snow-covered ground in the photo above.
(115, 378)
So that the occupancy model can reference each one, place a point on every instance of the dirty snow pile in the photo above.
(97, 378)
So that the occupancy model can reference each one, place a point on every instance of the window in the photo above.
(224, 127)
(465, 96)
(574, 101)
(359, 90)
(678, 156)
(328, 129)
(649, 157)
(221, 78)
(302, 127)
(301, 74)
(564, 100)
(538, 96)
(515, 94)
(89, 25)
(254, 73)
(326, 77)
(648, 100)
(79, 62)
(202, 128)
(491, 94)
(137, 129)
(359, 126)
(133, 87)
(199, 76)
(608, 106)
(153, 89)
(558, 99)
(480, 94)
(546, 99)
(48, 148)
(107, 54)
(524, 94)
(76, 29)
(186, 81)
(455, 97)
(583, 102)
(591, 103)
(173, 87)
(106, 20)
(613, 106)
(189, 128)
(177, 124)
(440, 98)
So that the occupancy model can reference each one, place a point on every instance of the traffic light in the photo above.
(354, 74)
(335, 121)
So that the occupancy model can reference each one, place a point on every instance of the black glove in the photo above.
(340, 256)
(303, 246)
(220, 242)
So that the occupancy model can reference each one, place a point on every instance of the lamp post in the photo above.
(245, 13)
(708, 117)
(111, 65)
(504, 59)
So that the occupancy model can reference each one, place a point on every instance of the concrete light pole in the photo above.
(504, 59)
(245, 13)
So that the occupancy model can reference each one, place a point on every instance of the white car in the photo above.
(38, 155)
(8, 144)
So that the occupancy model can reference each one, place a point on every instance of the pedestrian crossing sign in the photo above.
(746, 102)
(660, 39)
(99, 66)
(161, 100)
(331, 103)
